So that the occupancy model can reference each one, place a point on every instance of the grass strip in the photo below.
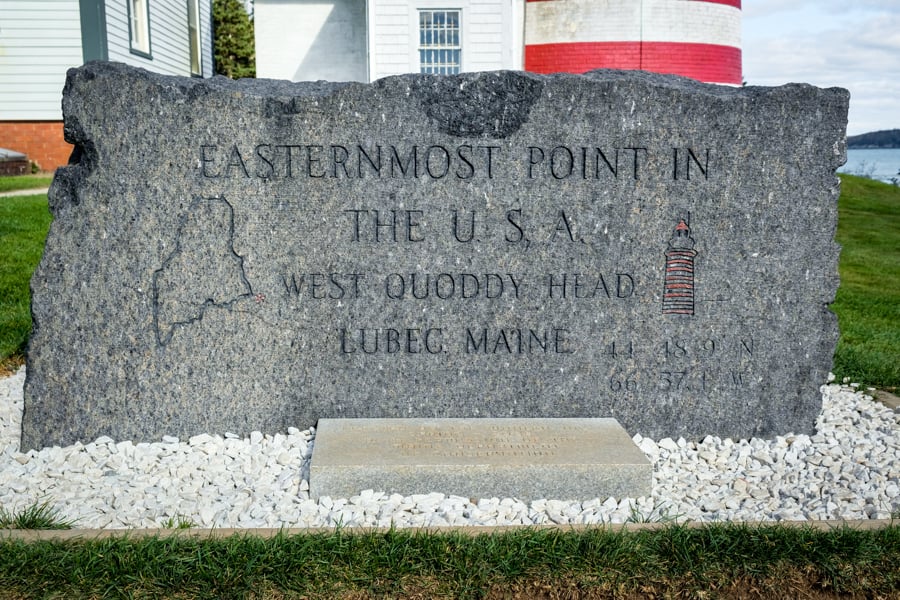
(676, 561)
(11, 183)
(868, 299)
(40, 515)
(24, 222)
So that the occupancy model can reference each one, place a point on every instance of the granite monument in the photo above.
(252, 255)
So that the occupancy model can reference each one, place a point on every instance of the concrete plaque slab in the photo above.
(565, 459)
(253, 255)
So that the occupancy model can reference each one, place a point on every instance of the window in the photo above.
(139, 26)
(439, 47)
(194, 37)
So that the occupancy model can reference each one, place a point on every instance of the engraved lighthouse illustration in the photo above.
(678, 291)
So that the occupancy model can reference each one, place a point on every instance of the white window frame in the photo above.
(455, 5)
(194, 40)
(441, 42)
(139, 27)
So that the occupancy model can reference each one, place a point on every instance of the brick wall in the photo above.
(42, 141)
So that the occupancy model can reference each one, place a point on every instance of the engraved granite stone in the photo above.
(566, 459)
(254, 255)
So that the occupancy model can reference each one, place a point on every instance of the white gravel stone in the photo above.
(668, 444)
(850, 469)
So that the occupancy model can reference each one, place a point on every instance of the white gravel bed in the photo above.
(850, 469)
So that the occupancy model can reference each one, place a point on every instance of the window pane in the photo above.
(439, 41)
(194, 36)
(139, 21)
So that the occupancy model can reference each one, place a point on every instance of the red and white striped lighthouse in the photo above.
(700, 39)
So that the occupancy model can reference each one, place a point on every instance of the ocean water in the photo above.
(880, 163)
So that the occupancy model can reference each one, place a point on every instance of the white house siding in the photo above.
(39, 41)
(308, 40)
(327, 39)
(206, 39)
(169, 48)
(486, 41)
(391, 27)
(488, 37)
(517, 18)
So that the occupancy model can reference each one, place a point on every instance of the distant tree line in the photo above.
(889, 138)
(234, 47)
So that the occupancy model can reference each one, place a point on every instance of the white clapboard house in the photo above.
(41, 39)
(364, 40)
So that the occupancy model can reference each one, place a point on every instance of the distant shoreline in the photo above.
(889, 139)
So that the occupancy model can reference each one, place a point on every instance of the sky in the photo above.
(854, 44)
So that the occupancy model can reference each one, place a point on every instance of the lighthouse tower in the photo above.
(678, 291)
(700, 39)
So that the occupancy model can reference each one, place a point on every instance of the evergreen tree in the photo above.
(234, 47)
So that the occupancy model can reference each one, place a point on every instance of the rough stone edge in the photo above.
(264, 87)
(282, 93)
(28, 535)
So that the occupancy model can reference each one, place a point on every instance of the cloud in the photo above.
(766, 8)
(860, 52)
(838, 55)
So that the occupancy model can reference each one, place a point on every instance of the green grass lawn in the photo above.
(24, 222)
(24, 182)
(714, 561)
(868, 300)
